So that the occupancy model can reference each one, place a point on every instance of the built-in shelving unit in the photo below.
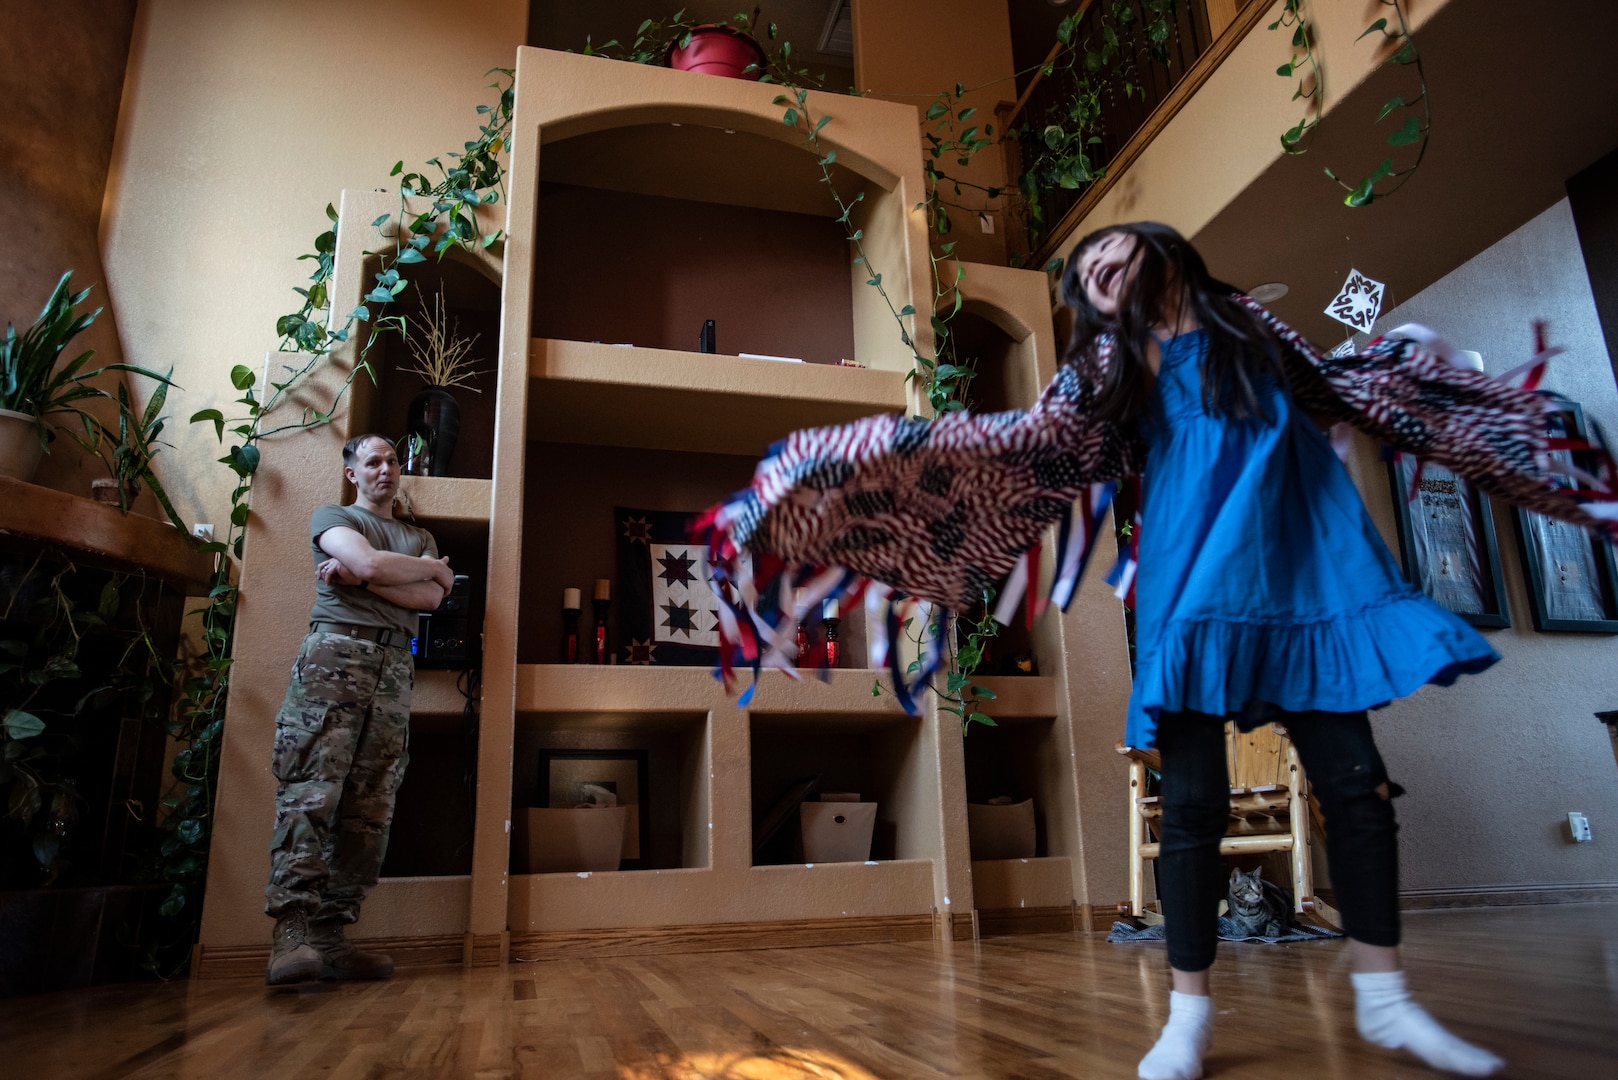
(614, 245)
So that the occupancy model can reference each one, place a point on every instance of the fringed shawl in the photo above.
(943, 510)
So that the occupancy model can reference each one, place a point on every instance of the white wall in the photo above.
(1494, 763)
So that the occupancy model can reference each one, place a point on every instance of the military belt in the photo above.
(395, 639)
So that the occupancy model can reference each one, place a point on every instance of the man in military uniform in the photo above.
(342, 733)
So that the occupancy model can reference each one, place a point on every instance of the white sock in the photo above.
(1387, 1016)
(1179, 1049)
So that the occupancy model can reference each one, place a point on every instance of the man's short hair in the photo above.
(351, 449)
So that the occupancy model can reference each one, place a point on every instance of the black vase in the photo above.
(433, 423)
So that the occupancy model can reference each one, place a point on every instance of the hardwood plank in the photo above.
(1537, 985)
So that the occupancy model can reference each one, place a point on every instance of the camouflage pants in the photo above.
(341, 745)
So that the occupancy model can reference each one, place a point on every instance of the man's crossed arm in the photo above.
(416, 582)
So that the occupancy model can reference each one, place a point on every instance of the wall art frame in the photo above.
(1571, 575)
(1447, 541)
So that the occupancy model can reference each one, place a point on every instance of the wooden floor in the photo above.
(1538, 985)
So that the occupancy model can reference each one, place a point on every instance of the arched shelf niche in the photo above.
(470, 286)
(663, 199)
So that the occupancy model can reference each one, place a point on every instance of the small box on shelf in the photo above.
(547, 840)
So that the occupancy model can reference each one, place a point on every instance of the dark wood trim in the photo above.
(1583, 892)
(1593, 197)
(999, 922)
(723, 937)
(102, 533)
(1165, 112)
(249, 961)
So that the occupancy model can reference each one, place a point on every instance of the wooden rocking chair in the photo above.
(1270, 810)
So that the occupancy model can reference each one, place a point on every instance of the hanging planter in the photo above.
(718, 50)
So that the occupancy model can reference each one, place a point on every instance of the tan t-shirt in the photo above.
(350, 603)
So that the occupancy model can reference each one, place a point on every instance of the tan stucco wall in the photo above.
(1494, 763)
(240, 122)
(909, 50)
(60, 80)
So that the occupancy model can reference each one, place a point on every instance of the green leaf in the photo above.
(1382, 171)
(935, 110)
(238, 514)
(1361, 194)
(214, 415)
(906, 310)
(790, 118)
(822, 122)
(398, 167)
(241, 377)
(22, 725)
(939, 329)
(982, 718)
(409, 255)
(380, 220)
(1285, 70)
(1380, 24)
(1406, 55)
(331, 212)
(1408, 134)
(1054, 266)
(966, 114)
(1393, 103)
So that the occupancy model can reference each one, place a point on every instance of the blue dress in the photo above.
(1263, 583)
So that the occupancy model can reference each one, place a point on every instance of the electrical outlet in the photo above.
(1579, 826)
(203, 533)
(986, 223)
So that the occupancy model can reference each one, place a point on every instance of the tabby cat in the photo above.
(1259, 908)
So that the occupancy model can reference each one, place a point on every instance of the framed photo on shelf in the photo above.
(1572, 579)
(1447, 541)
(578, 777)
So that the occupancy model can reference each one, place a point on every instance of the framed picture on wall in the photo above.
(1447, 541)
(580, 777)
(1572, 579)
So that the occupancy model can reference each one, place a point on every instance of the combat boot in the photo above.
(339, 959)
(292, 958)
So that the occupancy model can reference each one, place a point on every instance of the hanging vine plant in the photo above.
(1415, 129)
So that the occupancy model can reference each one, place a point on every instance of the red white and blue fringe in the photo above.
(762, 601)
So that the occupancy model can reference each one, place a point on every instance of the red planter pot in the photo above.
(718, 50)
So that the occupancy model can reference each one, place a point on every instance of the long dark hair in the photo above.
(1242, 350)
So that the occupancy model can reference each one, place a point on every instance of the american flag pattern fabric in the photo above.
(944, 509)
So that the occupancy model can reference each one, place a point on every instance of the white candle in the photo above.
(603, 588)
(570, 600)
(829, 609)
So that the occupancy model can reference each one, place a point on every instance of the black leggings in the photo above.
(1344, 769)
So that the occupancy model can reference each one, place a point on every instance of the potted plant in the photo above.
(433, 420)
(130, 459)
(727, 49)
(33, 388)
